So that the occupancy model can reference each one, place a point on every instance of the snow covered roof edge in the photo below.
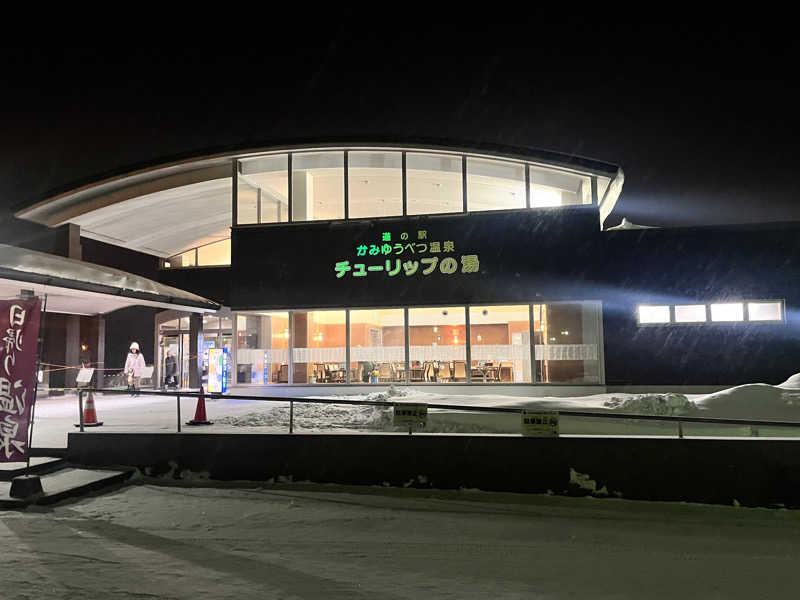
(40, 267)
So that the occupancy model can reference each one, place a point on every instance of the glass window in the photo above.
(317, 186)
(319, 354)
(765, 311)
(185, 323)
(246, 203)
(434, 184)
(727, 311)
(602, 187)
(218, 253)
(550, 187)
(375, 184)
(567, 338)
(268, 176)
(169, 326)
(187, 259)
(226, 322)
(500, 344)
(438, 351)
(262, 347)
(210, 323)
(653, 314)
(495, 184)
(377, 346)
(690, 313)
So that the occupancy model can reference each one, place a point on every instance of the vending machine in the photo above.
(218, 370)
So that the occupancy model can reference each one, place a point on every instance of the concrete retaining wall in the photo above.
(753, 472)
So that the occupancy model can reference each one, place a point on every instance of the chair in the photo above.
(460, 370)
(444, 372)
(385, 372)
(283, 374)
(506, 371)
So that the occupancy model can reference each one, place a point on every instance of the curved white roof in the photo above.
(169, 208)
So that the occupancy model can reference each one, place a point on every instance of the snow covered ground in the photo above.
(314, 541)
(55, 416)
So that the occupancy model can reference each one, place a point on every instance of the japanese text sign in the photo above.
(406, 255)
(539, 423)
(411, 415)
(19, 327)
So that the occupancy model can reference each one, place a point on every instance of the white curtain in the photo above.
(319, 355)
(566, 352)
(378, 354)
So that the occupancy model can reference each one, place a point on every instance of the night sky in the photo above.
(704, 123)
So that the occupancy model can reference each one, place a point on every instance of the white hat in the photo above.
(134, 345)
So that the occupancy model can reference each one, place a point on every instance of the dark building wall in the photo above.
(126, 325)
(524, 256)
(676, 266)
(54, 326)
(546, 255)
(25, 234)
(117, 257)
(212, 283)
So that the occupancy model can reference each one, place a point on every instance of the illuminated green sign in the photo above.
(408, 257)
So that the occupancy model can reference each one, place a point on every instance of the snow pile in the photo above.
(627, 225)
(793, 383)
(755, 401)
(388, 396)
(652, 404)
(314, 416)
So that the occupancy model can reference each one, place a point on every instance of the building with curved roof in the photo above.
(421, 263)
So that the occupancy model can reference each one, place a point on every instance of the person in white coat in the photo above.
(134, 366)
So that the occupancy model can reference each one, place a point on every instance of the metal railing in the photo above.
(678, 420)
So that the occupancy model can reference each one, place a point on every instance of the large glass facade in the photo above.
(437, 344)
(567, 342)
(360, 183)
(495, 184)
(263, 190)
(434, 183)
(317, 186)
(377, 346)
(262, 347)
(566, 339)
(319, 352)
(375, 184)
(550, 187)
(500, 343)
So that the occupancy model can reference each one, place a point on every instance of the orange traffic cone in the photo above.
(89, 413)
(200, 412)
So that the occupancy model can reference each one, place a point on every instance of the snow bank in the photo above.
(652, 404)
(754, 401)
(793, 383)
(315, 416)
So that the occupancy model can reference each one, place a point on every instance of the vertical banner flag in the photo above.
(19, 346)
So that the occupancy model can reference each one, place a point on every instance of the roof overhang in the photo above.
(69, 205)
(78, 287)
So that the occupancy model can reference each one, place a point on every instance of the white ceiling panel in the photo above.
(167, 222)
